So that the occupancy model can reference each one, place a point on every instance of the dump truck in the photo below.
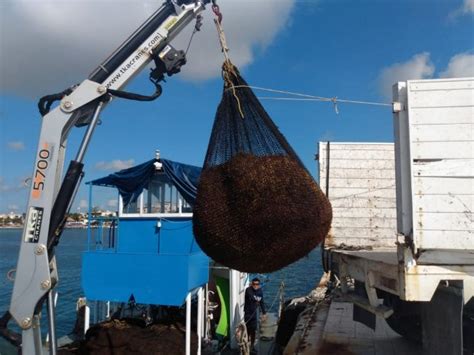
(401, 245)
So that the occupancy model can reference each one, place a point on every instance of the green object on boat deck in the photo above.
(222, 286)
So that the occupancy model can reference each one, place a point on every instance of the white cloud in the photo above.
(461, 65)
(420, 67)
(16, 145)
(83, 204)
(13, 207)
(114, 164)
(49, 45)
(466, 8)
(3, 185)
(112, 203)
(327, 136)
(417, 67)
(20, 183)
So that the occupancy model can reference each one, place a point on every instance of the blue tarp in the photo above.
(131, 182)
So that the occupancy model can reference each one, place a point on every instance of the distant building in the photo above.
(108, 213)
(14, 215)
(11, 219)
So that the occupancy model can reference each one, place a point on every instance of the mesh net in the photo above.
(242, 126)
(257, 208)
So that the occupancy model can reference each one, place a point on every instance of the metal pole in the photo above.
(206, 312)
(87, 318)
(162, 195)
(170, 189)
(53, 344)
(38, 343)
(328, 158)
(95, 319)
(199, 319)
(188, 324)
(55, 304)
(89, 132)
(89, 218)
(234, 313)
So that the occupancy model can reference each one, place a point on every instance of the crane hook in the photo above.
(217, 11)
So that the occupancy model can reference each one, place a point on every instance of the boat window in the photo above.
(159, 197)
(163, 197)
(132, 207)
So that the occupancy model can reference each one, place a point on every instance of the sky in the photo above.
(333, 48)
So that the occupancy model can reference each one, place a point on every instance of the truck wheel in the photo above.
(406, 318)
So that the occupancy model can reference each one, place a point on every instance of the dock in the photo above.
(344, 336)
(326, 327)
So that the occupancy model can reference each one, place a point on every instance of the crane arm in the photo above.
(51, 194)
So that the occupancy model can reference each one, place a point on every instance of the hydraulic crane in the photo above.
(51, 194)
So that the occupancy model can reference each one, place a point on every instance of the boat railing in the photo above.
(102, 233)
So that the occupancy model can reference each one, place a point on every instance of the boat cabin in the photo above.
(147, 252)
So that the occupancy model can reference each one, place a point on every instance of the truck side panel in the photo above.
(439, 131)
(359, 179)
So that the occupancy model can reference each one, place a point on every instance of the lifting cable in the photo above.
(197, 28)
(305, 97)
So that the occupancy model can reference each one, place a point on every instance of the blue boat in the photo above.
(146, 253)
(150, 243)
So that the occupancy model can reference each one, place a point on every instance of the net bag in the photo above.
(257, 208)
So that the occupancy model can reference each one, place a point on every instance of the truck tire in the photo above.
(406, 318)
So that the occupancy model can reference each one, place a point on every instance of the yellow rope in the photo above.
(228, 70)
(222, 39)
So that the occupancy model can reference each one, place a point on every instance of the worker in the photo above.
(253, 300)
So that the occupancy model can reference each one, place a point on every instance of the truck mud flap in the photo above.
(442, 322)
(365, 317)
(359, 314)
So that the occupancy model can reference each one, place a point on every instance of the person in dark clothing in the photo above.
(253, 300)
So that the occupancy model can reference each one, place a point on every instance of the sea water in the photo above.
(299, 278)
(68, 255)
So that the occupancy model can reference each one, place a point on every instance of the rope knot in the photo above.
(229, 74)
(334, 102)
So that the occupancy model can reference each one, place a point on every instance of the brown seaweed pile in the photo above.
(259, 214)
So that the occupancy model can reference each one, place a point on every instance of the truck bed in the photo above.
(383, 256)
(403, 217)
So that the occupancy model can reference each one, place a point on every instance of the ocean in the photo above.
(299, 278)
